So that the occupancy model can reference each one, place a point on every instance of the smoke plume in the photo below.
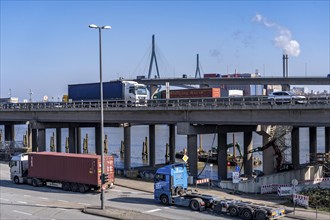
(283, 38)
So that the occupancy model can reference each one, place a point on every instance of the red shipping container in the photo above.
(193, 93)
(68, 167)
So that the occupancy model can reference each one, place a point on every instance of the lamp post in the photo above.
(102, 120)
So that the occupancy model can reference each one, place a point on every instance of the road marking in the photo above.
(21, 202)
(4, 199)
(62, 200)
(153, 210)
(43, 198)
(61, 209)
(40, 205)
(24, 213)
(27, 195)
(80, 203)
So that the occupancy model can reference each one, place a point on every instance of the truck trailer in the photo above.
(190, 93)
(171, 188)
(129, 91)
(75, 172)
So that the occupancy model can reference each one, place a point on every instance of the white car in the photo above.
(283, 97)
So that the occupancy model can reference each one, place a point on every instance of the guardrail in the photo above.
(166, 103)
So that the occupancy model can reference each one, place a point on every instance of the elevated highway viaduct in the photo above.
(191, 117)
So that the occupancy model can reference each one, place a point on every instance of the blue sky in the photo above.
(46, 45)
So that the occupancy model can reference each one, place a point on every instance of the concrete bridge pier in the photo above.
(78, 140)
(192, 154)
(152, 145)
(172, 143)
(295, 152)
(41, 139)
(222, 156)
(127, 148)
(72, 140)
(267, 155)
(58, 140)
(9, 132)
(247, 158)
(327, 139)
(34, 140)
(98, 146)
(312, 144)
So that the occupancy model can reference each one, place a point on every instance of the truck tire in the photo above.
(74, 187)
(246, 214)
(164, 199)
(82, 188)
(66, 186)
(260, 214)
(16, 180)
(194, 205)
(35, 183)
(233, 211)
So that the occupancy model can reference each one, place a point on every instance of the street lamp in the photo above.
(102, 121)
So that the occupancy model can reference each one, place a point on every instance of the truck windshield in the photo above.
(141, 90)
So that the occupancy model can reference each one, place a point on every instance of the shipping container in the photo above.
(212, 75)
(70, 168)
(192, 93)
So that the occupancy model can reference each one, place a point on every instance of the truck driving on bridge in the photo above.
(171, 188)
(75, 172)
(120, 90)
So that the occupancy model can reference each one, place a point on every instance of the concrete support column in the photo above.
(222, 156)
(127, 148)
(41, 139)
(295, 157)
(98, 146)
(172, 143)
(192, 154)
(267, 157)
(29, 137)
(72, 140)
(78, 130)
(152, 145)
(9, 132)
(34, 140)
(312, 144)
(58, 140)
(247, 158)
(327, 139)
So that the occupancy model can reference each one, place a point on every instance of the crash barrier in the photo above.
(277, 188)
(301, 200)
(206, 180)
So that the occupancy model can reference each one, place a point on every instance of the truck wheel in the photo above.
(16, 180)
(74, 187)
(233, 211)
(246, 214)
(194, 205)
(82, 188)
(164, 199)
(260, 214)
(66, 186)
(34, 183)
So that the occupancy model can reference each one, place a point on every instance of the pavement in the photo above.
(147, 186)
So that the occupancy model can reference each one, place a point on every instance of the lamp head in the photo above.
(93, 26)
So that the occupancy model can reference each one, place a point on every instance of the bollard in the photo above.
(52, 143)
(146, 146)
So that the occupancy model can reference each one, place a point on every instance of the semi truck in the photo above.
(190, 93)
(171, 188)
(75, 172)
(128, 91)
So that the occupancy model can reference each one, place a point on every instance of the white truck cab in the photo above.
(135, 92)
(18, 168)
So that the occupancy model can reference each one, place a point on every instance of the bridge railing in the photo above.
(167, 103)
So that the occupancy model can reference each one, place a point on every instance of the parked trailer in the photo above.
(171, 188)
(190, 93)
(75, 172)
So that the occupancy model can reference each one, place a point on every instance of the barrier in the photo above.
(206, 180)
(301, 200)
